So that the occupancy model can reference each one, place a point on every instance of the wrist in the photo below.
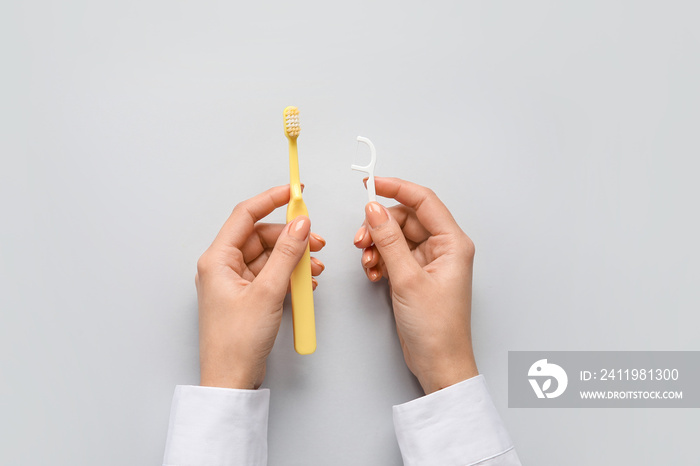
(214, 375)
(448, 375)
(226, 382)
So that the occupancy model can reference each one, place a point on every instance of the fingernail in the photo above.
(373, 274)
(366, 256)
(376, 214)
(319, 263)
(299, 229)
(314, 282)
(359, 236)
(319, 238)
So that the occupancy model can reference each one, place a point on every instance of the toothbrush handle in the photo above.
(294, 181)
(303, 306)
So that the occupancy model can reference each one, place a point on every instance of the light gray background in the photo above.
(563, 136)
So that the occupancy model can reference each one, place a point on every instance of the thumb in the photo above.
(390, 242)
(289, 248)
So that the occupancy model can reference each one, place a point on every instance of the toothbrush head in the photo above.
(291, 122)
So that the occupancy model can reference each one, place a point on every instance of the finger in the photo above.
(241, 222)
(257, 264)
(407, 219)
(265, 236)
(316, 242)
(390, 242)
(380, 266)
(430, 210)
(248, 275)
(373, 274)
(289, 248)
(366, 257)
(263, 239)
(370, 257)
(317, 267)
(362, 238)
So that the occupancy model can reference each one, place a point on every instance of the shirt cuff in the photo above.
(458, 425)
(217, 427)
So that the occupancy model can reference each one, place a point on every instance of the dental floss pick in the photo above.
(369, 169)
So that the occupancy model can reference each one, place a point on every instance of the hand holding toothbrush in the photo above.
(241, 281)
(428, 259)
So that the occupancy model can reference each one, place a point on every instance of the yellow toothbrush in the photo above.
(302, 289)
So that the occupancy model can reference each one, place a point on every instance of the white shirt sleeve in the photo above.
(455, 426)
(217, 427)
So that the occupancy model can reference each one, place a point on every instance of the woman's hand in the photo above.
(241, 283)
(428, 260)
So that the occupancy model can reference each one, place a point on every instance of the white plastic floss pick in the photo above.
(369, 169)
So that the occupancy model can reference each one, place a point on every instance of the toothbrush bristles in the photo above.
(291, 121)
